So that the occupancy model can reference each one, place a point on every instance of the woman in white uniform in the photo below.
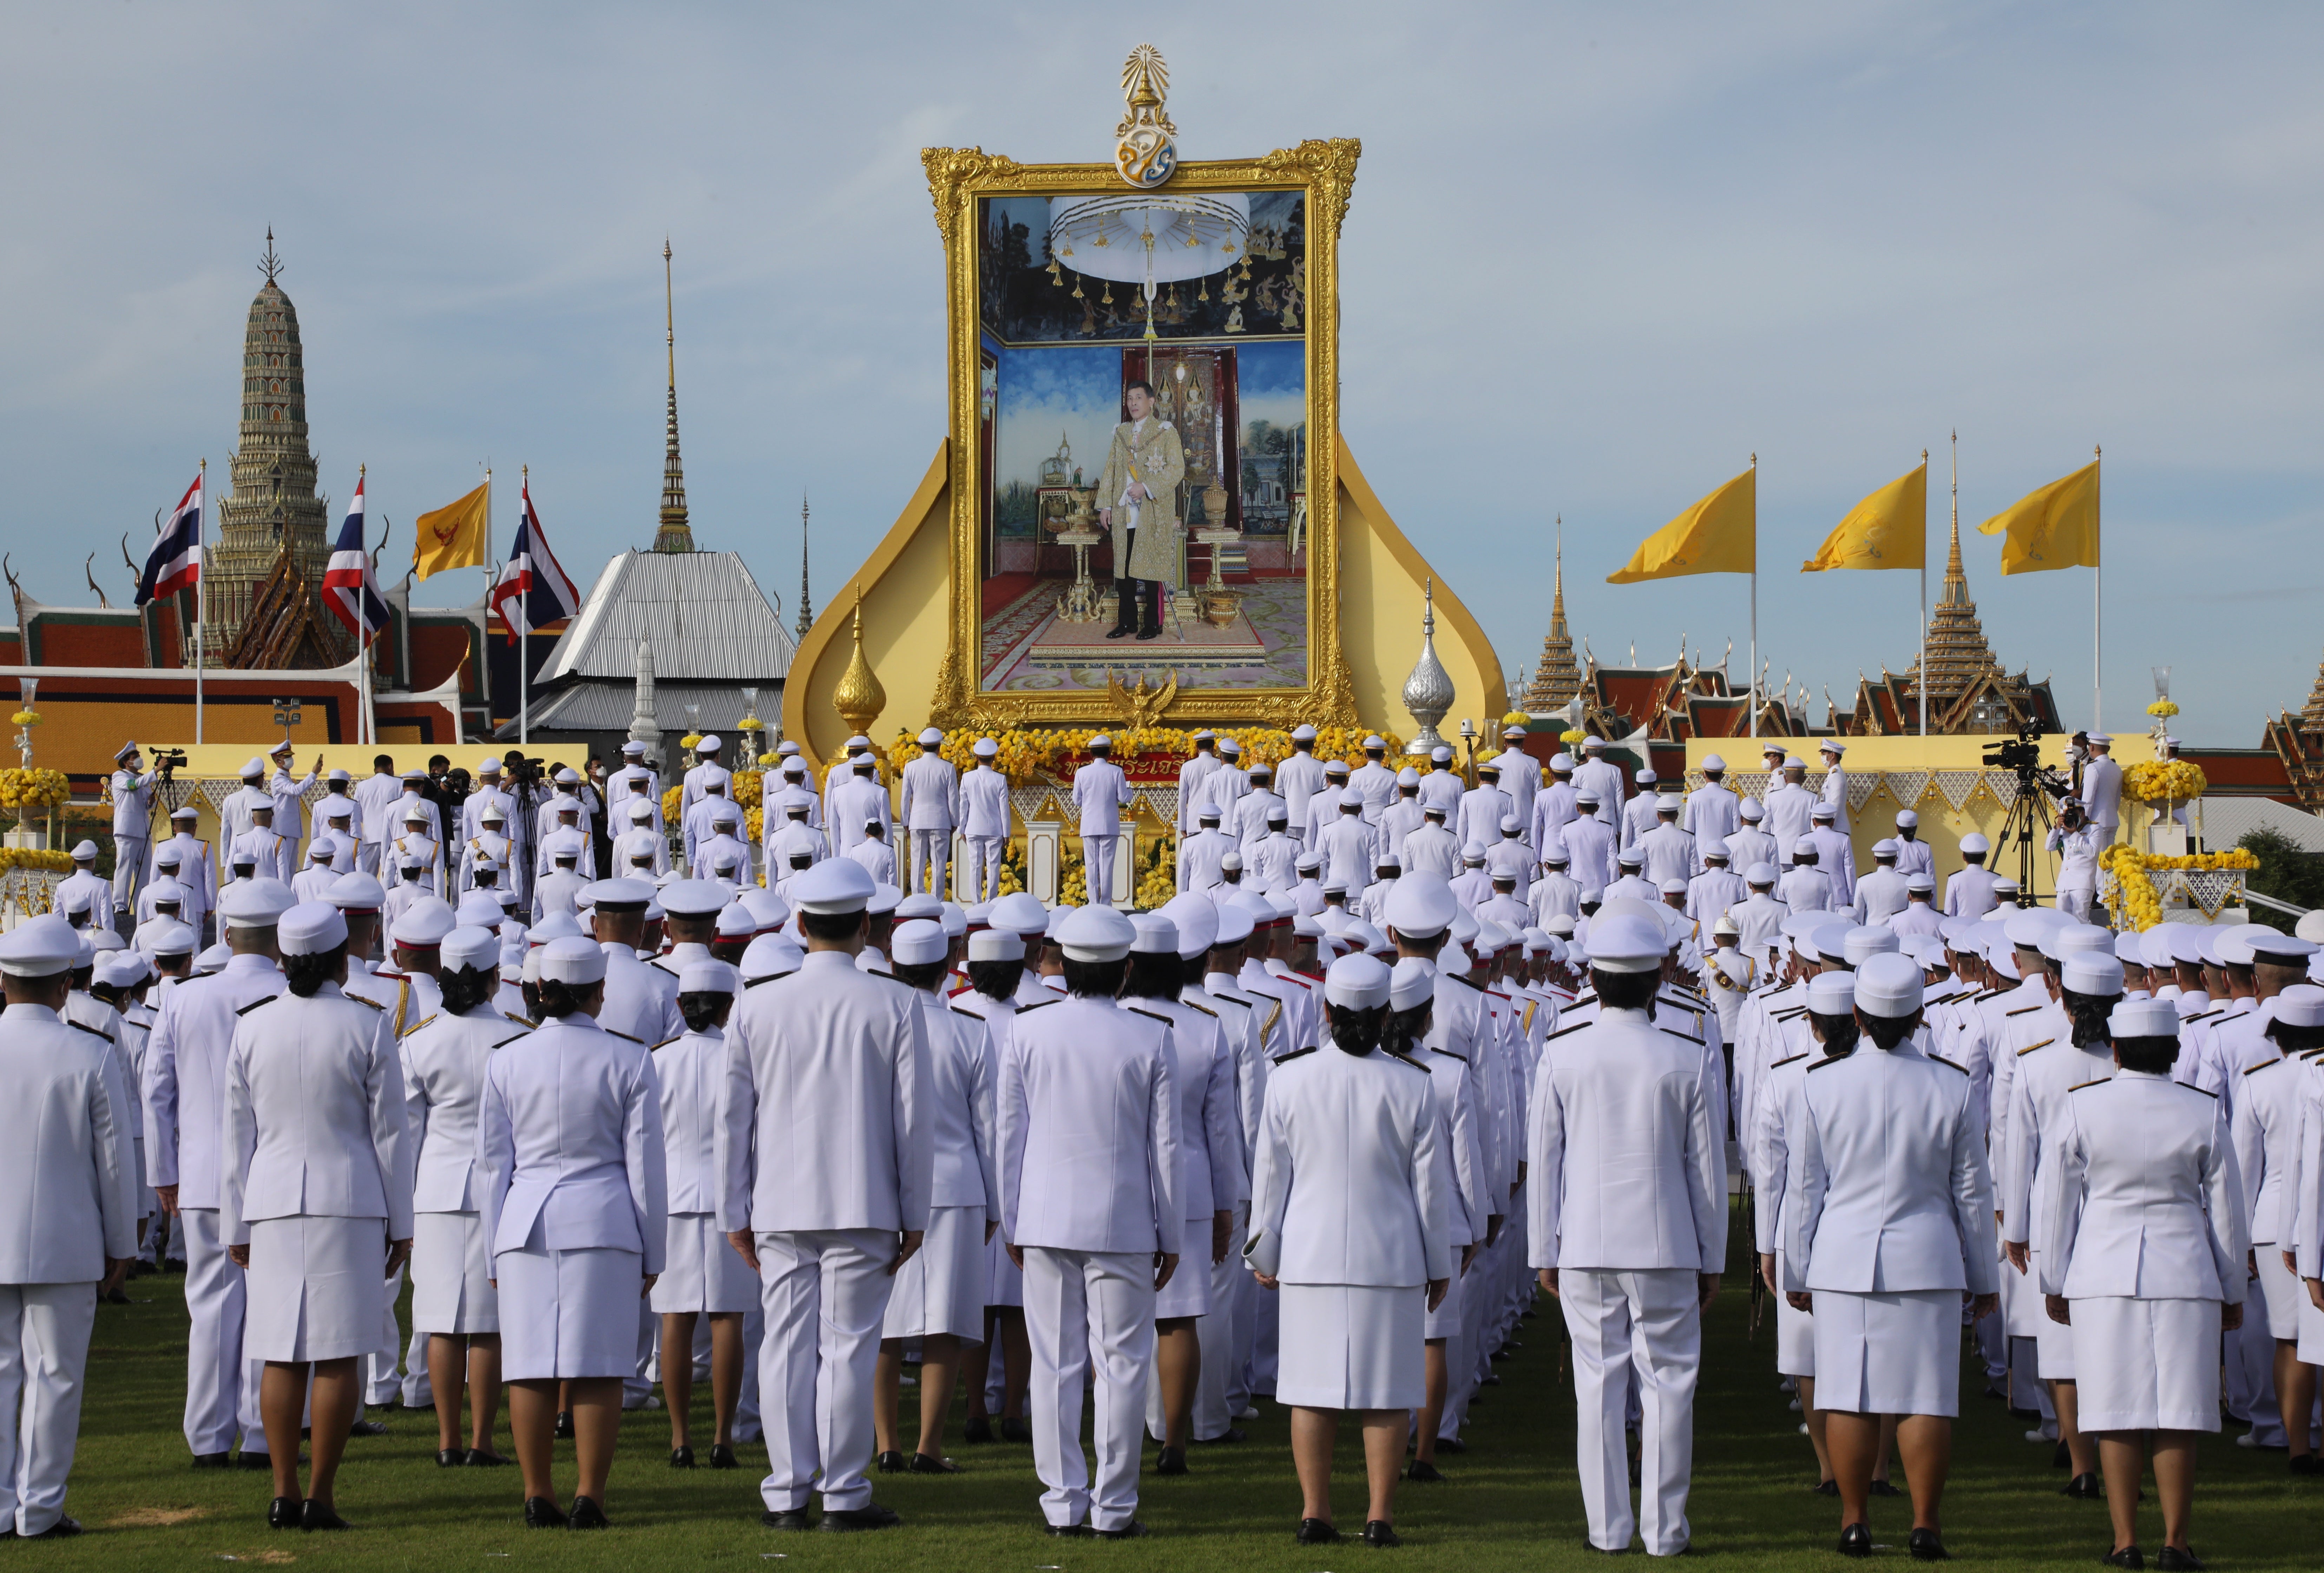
(939, 1293)
(2145, 1244)
(996, 975)
(1349, 1225)
(453, 1303)
(576, 1205)
(316, 1199)
(703, 1276)
(1891, 1231)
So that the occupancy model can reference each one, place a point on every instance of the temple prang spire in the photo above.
(1558, 675)
(806, 604)
(674, 534)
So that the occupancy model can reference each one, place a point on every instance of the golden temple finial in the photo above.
(269, 264)
(859, 698)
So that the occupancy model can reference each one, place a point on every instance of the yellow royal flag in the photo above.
(1888, 530)
(453, 536)
(1718, 535)
(2055, 526)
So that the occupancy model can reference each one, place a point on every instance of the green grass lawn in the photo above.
(1511, 1503)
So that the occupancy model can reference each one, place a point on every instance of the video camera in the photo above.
(2023, 755)
(168, 760)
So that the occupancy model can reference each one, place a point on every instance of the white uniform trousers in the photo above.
(382, 1381)
(367, 858)
(824, 1292)
(1081, 1306)
(1648, 1323)
(1223, 1388)
(1246, 1303)
(2249, 1370)
(129, 853)
(983, 875)
(1097, 868)
(931, 854)
(44, 1331)
(221, 1387)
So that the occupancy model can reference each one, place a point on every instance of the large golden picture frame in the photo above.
(958, 178)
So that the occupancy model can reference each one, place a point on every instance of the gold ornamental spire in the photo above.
(1558, 675)
(674, 535)
(859, 698)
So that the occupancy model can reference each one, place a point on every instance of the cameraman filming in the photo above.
(2077, 842)
(132, 832)
(2102, 781)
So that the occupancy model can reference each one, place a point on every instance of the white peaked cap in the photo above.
(707, 975)
(471, 946)
(2096, 972)
(1751, 811)
(1974, 843)
(255, 903)
(1156, 935)
(1021, 913)
(572, 962)
(1889, 985)
(1623, 943)
(426, 922)
(1357, 982)
(312, 928)
(1863, 942)
(1411, 983)
(2151, 1019)
(2301, 1005)
(40, 948)
(1831, 993)
(1096, 933)
(770, 956)
(836, 885)
(1197, 917)
(1234, 926)
(917, 942)
(996, 944)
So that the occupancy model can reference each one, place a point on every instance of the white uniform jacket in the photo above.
(1101, 791)
(185, 1075)
(931, 794)
(1089, 1130)
(63, 1146)
(1713, 812)
(1628, 1166)
(315, 1121)
(444, 1060)
(1298, 778)
(1890, 1192)
(959, 1093)
(1209, 1125)
(2148, 1202)
(1790, 812)
(568, 1136)
(691, 1072)
(641, 999)
(1349, 1184)
(984, 803)
(824, 1114)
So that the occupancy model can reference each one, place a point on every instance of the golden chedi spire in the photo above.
(2312, 719)
(674, 535)
(1558, 675)
(859, 698)
(1958, 656)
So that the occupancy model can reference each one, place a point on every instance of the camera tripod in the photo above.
(2028, 820)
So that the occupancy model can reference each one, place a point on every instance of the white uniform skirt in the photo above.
(1004, 1279)
(1892, 1353)
(2021, 1302)
(2311, 1330)
(1188, 1292)
(702, 1271)
(452, 1275)
(1352, 1347)
(941, 1290)
(2284, 1293)
(316, 1289)
(2147, 1364)
(569, 1314)
(2054, 1341)
(1444, 1321)
(1794, 1334)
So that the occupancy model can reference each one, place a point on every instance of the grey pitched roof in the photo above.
(708, 619)
(2227, 820)
(592, 706)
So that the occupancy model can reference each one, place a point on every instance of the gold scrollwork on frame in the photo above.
(958, 178)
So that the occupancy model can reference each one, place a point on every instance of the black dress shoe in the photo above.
(213, 1460)
(1490, 1379)
(1452, 1445)
(1883, 1488)
(2128, 1556)
(1827, 1488)
(1121, 630)
(1015, 1431)
(870, 1516)
(65, 1528)
(787, 1518)
(477, 1459)
(722, 1456)
(1856, 1540)
(1377, 1532)
(540, 1513)
(1132, 1530)
(1232, 1434)
(588, 1515)
(681, 1458)
(978, 1430)
(246, 1459)
(890, 1462)
(1928, 1546)
(1315, 1531)
(113, 1297)
(1420, 1472)
(2061, 1457)
(318, 1515)
(368, 1428)
(282, 1513)
(1500, 1355)
(564, 1425)
(2083, 1488)
(1172, 1461)
(1081, 1531)
(451, 1458)
(2304, 1464)
(2171, 1558)
(926, 1464)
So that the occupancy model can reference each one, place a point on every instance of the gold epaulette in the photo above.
(375, 1005)
(2029, 1048)
(1408, 1060)
(423, 1021)
(1205, 1009)
(1940, 1059)
(625, 1037)
(1294, 1054)
(2264, 1064)
(2096, 1081)
(1149, 1015)
(2021, 1010)
(1785, 1061)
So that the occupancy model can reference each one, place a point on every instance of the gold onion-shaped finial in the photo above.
(859, 698)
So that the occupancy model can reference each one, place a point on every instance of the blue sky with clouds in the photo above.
(1596, 257)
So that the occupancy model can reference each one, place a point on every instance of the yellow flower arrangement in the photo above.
(2163, 708)
(1024, 754)
(22, 787)
(46, 862)
(2142, 903)
(2165, 781)
(690, 742)
(25, 718)
(1572, 736)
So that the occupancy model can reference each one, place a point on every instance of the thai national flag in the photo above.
(531, 585)
(349, 588)
(175, 563)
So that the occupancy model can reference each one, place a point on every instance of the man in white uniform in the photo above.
(1602, 779)
(1751, 844)
(1089, 1180)
(1195, 773)
(2102, 787)
(377, 797)
(1713, 812)
(2077, 842)
(1520, 772)
(133, 830)
(932, 808)
(1101, 792)
(1880, 894)
(63, 1139)
(1628, 1229)
(825, 1192)
(1835, 782)
(1375, 781)
(1913, 855)
(984, 822)
(1789, 809)
(1298, 778)
(1969, 890)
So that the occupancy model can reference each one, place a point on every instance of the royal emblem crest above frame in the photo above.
(1109, 329)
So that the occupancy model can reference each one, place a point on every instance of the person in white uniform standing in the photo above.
(2102, 787)
(931, 809)
(132, 791)
(1101, 792)
(825, 1192)
(1350, 1227)
(1891, 1216)
(576, 1205)
(984, 823)
(62, 1137)
(1629, 1230)
(315, 1200)
(1835, 783)
(1089, 1203)
(185, 1112)
(2142, 1256)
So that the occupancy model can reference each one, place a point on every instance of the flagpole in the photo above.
(524, 638)
(366, 724)
(1755, 603)
(201, 596)
(2098, 580)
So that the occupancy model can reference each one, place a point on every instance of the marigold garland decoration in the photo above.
(2142, 903)
(1025, 754)
(2165, 781)
(37, 859)
(22, 788)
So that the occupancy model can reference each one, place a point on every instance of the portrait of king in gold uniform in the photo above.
(1143, 470)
